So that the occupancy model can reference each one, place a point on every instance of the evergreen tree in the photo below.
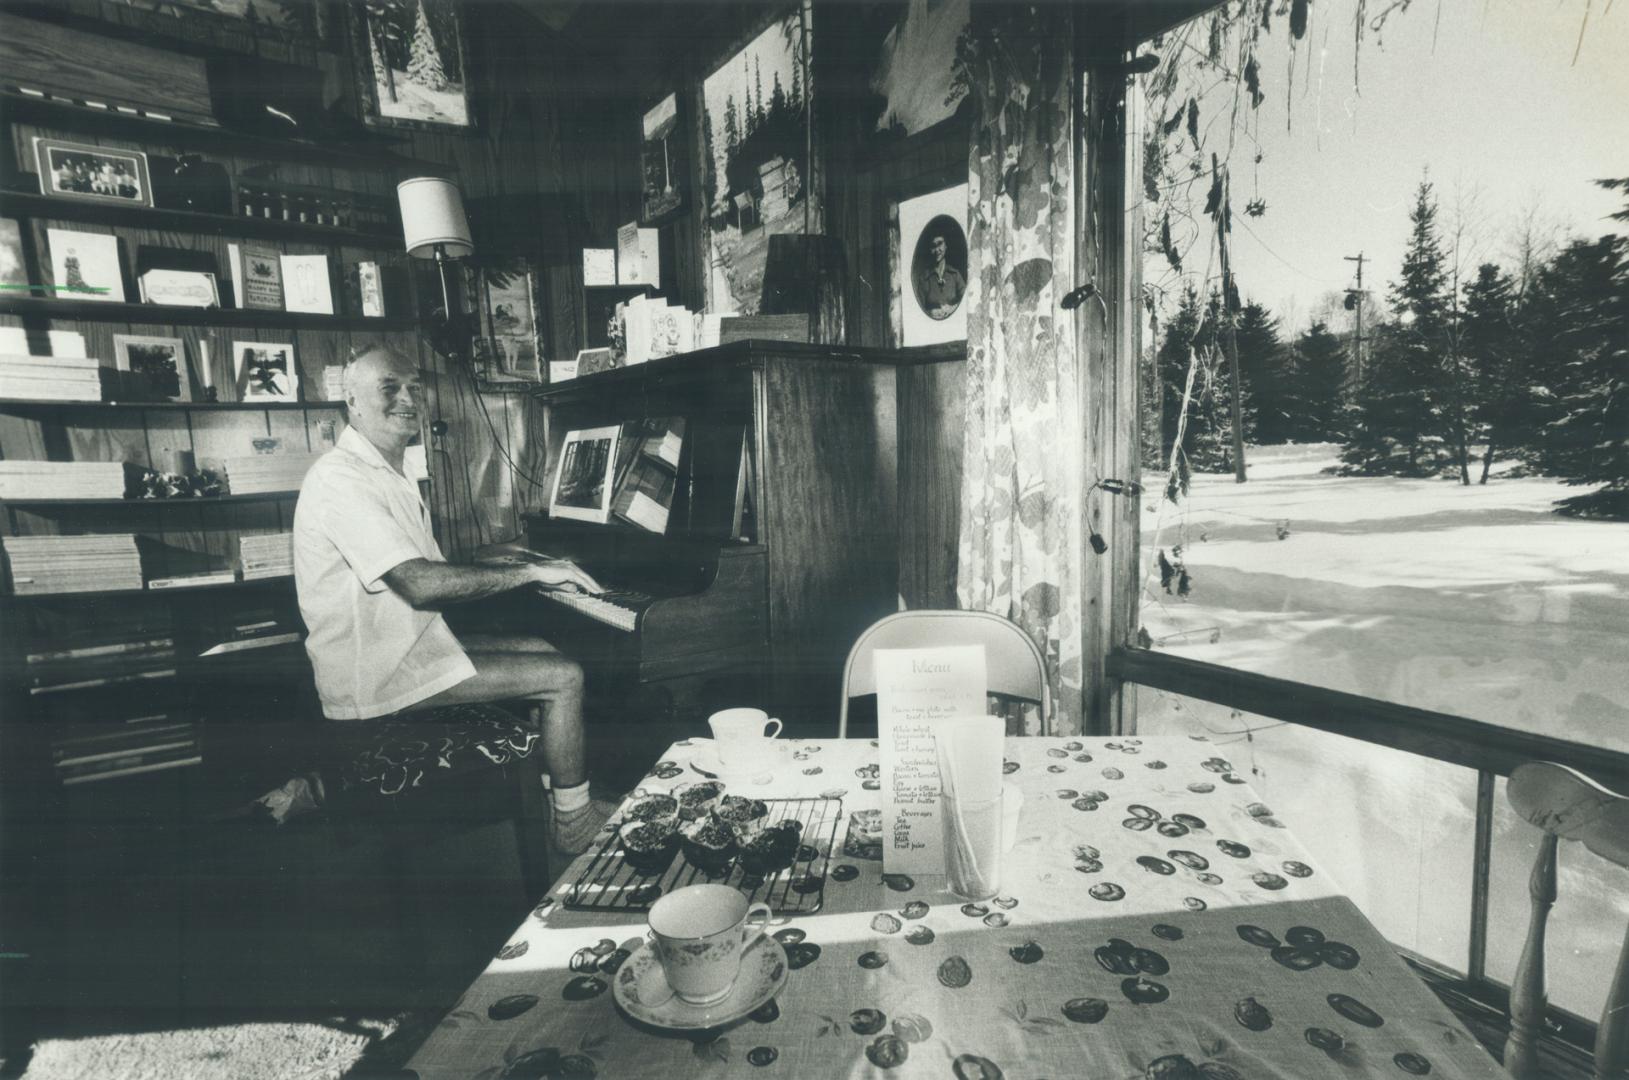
(1191, 338)
(777, 98)
(424, 65)
(1580, 314)
(757, 92)
(797, 85)
(1318, 373)
(1263, 370)
(1493, 350)
(1404, 403)
(732, 128)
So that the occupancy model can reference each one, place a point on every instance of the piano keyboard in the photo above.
(619, 609)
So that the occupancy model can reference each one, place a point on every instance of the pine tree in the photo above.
(381, 69)
(1318, 372)
(1581, 315)
(758, 92)
(777, 99)
(796, 97)
(1263, 370)
(1192, 335)
(1493, 349)
(1405, 402)
(424, 65)
(732, 128)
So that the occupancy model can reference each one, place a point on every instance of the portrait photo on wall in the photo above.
(931, 274)
(158, 363)
(582, 484)
(410, 63)
(265, 371)
(93, 173)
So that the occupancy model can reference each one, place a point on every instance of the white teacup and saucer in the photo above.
(743, 749)
(708, 961)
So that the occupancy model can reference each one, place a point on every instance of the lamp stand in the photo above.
(448, 335)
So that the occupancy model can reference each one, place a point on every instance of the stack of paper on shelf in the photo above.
(91, 752)
(264, 556)
(106, 660)
(50, 378)
(63, 479)
(256, 628)
(58, 564)
(653, 328)
(255, 474)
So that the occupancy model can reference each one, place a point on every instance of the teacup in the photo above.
(700, 933)
(741, 738)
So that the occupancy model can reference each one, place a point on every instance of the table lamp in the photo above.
(434, 227)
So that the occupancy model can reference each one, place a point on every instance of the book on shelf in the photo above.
(194, 579)
(133, 764)
(257, 276)
(259, 628)
(47, 480)
(62, 564)
(259, 474)
(181, 739)
(110, 648)
(105, 680)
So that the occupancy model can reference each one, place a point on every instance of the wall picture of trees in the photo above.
(755, 164)
(410, 63)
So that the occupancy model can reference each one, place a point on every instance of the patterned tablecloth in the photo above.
(1155, 920)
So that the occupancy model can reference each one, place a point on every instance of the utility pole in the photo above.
(1354, 302)
(1230, 341)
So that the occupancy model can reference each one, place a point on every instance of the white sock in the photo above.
(569, 799)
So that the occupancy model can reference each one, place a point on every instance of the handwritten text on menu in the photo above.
(917, 689)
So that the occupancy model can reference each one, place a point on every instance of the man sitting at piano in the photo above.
(371, 580)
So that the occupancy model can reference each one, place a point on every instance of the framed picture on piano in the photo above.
(583, 482)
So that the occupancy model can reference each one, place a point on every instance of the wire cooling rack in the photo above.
(608, 883)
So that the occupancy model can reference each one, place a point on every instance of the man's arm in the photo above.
(427, 584)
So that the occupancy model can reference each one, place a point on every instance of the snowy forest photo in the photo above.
(415, 62)
(755, 160)
(1385, 418)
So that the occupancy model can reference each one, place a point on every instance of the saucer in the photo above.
(706, 762)
(641, 990)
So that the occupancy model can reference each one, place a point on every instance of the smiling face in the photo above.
(385, 400)
(938, 247)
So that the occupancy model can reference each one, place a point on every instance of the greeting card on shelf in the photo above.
(85, 266)
(306, 285)
(638, 255)
(918, 690)
(599, 266)
(257, 276)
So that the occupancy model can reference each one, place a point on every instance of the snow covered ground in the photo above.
(1475, 601)
(417, 102)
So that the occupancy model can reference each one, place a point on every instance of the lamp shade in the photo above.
(432, 217)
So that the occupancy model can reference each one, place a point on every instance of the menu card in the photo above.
(917, 690)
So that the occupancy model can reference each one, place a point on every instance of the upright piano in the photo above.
(780, 543)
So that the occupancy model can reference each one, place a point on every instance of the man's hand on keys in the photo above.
(563, 575)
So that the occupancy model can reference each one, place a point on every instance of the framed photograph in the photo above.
(582, 482)
(71, 170)
(160, 362)
(662, 161)
(85, 266)
(931, 269)
(509, 317)
(182, 288)
(265, 371)
(410, 65)
(756, 167)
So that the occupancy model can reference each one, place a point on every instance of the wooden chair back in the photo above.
(1013, 665)
(1566, 805)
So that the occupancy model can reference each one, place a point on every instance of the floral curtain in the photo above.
(1020, 550)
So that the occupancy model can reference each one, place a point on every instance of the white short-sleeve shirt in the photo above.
(373, 652)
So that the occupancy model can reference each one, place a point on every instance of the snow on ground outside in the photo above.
(1475, 601)
(417, 102)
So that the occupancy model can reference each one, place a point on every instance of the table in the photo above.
(1155, 920)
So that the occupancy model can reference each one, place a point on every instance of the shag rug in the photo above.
(281, 1050)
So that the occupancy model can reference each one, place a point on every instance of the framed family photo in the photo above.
(931, 267)
(410, 63)
(159, 362)
(71, 170)
(265, 371)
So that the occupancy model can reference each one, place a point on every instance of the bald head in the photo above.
(385, 400)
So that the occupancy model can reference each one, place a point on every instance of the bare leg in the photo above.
(529, 668)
